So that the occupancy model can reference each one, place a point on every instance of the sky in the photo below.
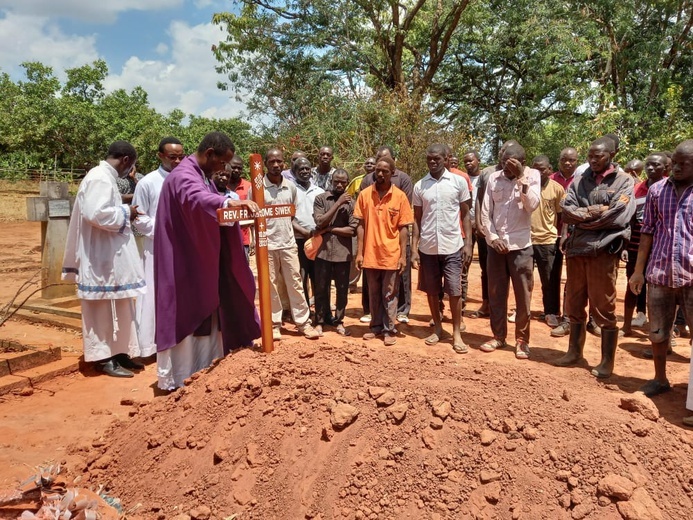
(164, 46)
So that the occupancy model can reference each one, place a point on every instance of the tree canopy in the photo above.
(547, 73)
(70, 125)
(357, 74)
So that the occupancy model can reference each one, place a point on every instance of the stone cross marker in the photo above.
(229, 215)
(52, 208)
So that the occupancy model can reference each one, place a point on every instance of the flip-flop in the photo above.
(477, 314)
(432, 339)
(521, 350)
(460, 348)
(492, 345)
(343, 331)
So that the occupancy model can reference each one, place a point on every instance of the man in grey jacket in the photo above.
(598, 207)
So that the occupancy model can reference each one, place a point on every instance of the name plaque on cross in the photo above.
(58, 208)
(231, 215)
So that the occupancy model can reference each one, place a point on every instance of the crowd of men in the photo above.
(187, 295)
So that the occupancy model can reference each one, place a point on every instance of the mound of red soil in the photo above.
(357, 431)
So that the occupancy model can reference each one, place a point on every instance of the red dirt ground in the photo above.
(253, 437)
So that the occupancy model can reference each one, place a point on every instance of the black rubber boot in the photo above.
(576, 345)
(609, 344)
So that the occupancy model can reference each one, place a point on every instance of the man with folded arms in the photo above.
(598, 206)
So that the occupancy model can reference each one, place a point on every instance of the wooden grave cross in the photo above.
(52, 208)
(228, 215)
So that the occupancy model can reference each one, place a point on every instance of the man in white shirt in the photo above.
(511, 195)
(146, 198)
(441, 202)
(101, 257)
(283, 252)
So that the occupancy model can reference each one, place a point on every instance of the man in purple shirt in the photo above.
(666, 247)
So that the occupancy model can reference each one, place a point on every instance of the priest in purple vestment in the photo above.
(205, 291)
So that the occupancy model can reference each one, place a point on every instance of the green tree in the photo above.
(239, 132)
(31, 118)
(47, 124)
(513, 67)
(558, 73)
(86, 82)
(324, 46)
(351, 74)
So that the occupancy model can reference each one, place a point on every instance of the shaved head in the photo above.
(605, 142)
(686, 147)
(568, 151)
(516, 151)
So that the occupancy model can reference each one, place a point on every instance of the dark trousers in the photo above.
(483, 260)
(325, 272)
(545, 261)
(516, 267)
(558, 265)
(662, 311)
(404, 294)
(631, 299)
(592, 279)
(365, 301)
(307, 269)
(465, 286)
(383, 287)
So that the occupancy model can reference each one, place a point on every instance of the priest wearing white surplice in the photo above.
(101, 257)
(146, 199)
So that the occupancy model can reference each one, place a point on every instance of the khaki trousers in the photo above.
(283, 265)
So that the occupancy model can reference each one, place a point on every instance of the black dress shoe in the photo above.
(593, 328)
(647, 353)
(126, 361)
(113, 369)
